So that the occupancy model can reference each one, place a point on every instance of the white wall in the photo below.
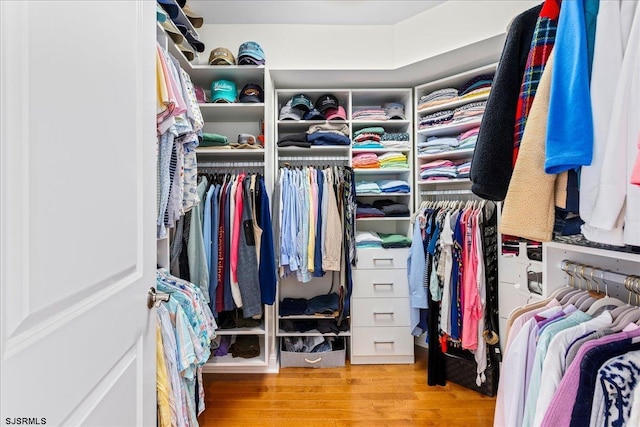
(451, 25)
(446, 27)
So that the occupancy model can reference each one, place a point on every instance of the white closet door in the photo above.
(77, 203)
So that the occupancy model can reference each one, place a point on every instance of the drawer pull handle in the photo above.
(383, 284)
(384, 342)
(313, 361)
(383, 259)
(388, 313)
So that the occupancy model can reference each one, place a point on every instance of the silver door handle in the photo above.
(383, 284)
(388, 313)
(154, 298)
(384, 342)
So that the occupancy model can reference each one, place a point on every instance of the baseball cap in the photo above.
(289, 113)
(191, 38)
(201, 96)
(336, 114)
(302, 102)
(252, 50)
(326, 101)
(172, 31)
(314, 114)
(195, 19)
(161, 15)
(246, 140)
(223, 91)
(251, 93)
(221, 56)
(170, 7)
(395, 110)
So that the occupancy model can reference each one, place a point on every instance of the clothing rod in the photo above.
(230, 164)
(313, 158)
(580, 270)
(444, 192)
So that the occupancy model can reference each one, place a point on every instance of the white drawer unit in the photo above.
(382, 258)
(380, 284)
(382, 345)
(381, 312)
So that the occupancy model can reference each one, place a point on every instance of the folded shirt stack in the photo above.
(469, 111)
(391, 208)
(328, 134)
(438, 170)
(468, 139)
(437, 97)
(365, 161)
(395, 136)
(214, 140)
(394, 241)
(368, 138)
(436, 119)
(367, 187)
(476, 86)
(393, 160)
(368, 239)
(370, 113)
(294, 140)
(393, 186)
(321, 304)
(463, 170)
(436, 145)
(365, 210)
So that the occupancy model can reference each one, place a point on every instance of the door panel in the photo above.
(77, 214)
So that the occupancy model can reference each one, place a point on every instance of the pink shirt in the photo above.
(472, 311)
(635, 173)
(237, 221)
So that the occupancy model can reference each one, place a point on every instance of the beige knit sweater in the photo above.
(528, 209)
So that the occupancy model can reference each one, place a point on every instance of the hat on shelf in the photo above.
(195, 19)
(336, 114)
(395, 110)
(314, 114)
(250, 53)
(172, 31)
(201, 96)
(302, 102)
(181, 3)
(191, 38)
(289, 113)
(170, 7)
(186, 50)
(246, 140)
(223, 91)
(326, 101)
(251, 93)
(161, 15)
(221, 56)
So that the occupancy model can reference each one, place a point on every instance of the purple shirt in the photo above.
(559, 411)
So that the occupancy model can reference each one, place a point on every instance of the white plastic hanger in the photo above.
(607, 301)
(633, 285)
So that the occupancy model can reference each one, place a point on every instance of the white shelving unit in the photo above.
(230, 120)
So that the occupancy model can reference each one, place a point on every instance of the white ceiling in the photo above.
(310, 12)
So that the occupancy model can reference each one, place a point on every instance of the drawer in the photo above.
(382, 258)
(380, 312)
(327, 359)
(368, 341)
(380, 284)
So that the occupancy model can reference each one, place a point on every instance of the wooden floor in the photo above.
(354, 395)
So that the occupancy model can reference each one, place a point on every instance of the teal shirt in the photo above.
(198, 268)
(545, 338)
(591, 8)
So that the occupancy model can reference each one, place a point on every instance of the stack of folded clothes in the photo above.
(325, 304)
(476, 87)
(436, 145)
(436, 119)
(391, 208)
(438, 170)
(393, 186)
(368, 239)
(394, 241)
(368, 138)
(311, 344)
(294, 140)
(245, 346)
(370, 113)
(367, 187)
(473, 110)
(393, 160)
(365, 210)
(365, 161)
(463, 170)
(214, 140)
(328, 134)
(468, 139)
(324, 326)
(438, 97)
